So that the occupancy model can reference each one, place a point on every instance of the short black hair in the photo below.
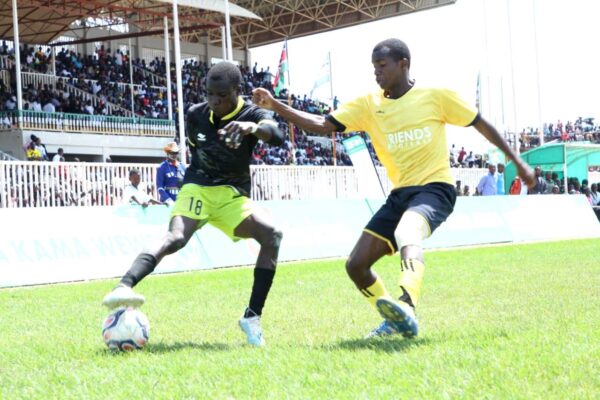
(225, 71)
(396, 49)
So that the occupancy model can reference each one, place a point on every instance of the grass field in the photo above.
(512, 322)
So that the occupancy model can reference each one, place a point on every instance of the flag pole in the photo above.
(331, 97)
(289, 99)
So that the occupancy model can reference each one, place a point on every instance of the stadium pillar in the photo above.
(228, 28)
(223, 44)
(17, 47)
(180, 102)
(168, 67)
(131, 77)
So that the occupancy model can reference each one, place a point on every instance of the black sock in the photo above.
(263, 278)
(406, 297)
(143, 265)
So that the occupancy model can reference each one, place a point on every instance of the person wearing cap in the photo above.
(169, 176)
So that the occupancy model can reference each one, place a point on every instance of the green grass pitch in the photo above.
(515, 322)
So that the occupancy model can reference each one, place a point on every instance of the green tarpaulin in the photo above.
(552, 157)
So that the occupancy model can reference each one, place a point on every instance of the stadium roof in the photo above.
(42, 21)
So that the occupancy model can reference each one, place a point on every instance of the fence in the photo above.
(83, 123)
(47, 184)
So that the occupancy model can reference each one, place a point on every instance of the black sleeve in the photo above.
(257, 115)
(338, 125)
(475, 120)
(191, 125)
(276, 134)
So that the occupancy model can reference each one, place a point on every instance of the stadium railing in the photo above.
(48, 184)
(83, 123)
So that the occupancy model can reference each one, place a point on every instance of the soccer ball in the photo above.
(125, 329)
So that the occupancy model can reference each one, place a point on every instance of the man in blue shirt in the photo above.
(487, 184)
(169, 176)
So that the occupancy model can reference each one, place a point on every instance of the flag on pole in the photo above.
(323, 77)
(280, 79)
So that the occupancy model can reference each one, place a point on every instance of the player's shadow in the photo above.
(388, 345)
(159, 348)
(178, 346)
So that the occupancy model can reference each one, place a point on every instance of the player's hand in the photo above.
(263, 98)
(526, 173)
(144, 204)
(233, 133)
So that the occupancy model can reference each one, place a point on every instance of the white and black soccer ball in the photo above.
(125, 329)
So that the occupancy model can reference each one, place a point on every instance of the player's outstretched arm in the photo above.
(491, 134)
(309, 122)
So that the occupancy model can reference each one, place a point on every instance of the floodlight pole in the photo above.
(180, 102)
(168, 68)
(17, 51)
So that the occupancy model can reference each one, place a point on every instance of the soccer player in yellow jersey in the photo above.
(406, 124)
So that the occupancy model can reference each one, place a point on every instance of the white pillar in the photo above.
(168, 71)
(180, 103)
(223, 44)
(131, 77)
(228, 29)
(53, 61)
(17, 55)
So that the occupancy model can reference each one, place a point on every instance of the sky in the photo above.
(522, 85)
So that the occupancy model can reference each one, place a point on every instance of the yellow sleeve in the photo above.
(353, 115)
(455, 110)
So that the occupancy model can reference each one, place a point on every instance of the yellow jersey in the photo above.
(409, 133)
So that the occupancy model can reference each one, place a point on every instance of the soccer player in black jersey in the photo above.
(221, 133)
(406, 124)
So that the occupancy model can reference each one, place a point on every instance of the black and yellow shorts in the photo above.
(224, 207)
(433, 201)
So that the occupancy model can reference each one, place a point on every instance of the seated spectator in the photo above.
(133, 195)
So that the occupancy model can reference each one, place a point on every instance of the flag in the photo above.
(478, 92)
(323, 77)
(280, 81)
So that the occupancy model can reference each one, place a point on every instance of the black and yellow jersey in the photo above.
(213, 163)
(408, 133)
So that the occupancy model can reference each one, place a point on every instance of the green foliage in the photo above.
(512, 322)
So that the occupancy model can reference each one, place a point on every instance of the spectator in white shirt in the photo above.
(59, 156)
(133, 195)
(35, 105)
(89, 109)
(49, 107)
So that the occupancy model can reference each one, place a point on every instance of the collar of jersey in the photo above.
(232, 114)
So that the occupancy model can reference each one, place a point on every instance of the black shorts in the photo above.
(434, 201)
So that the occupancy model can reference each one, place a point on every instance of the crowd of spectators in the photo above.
(581, 130)
(106, 75)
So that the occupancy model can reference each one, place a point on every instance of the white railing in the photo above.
(7, 157)
(83, 123)
(593, 177)
(157, 80)
(6, 62)
(47, 184)
(35, 79)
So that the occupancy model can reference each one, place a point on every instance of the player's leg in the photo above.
(367, 251)
(269, 239)
(186, 218)
(427, 208)
(236, 217)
